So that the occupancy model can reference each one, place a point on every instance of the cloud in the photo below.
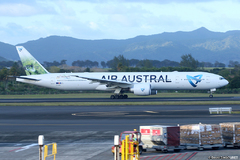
(148, 1)
(65, 10)
(26, 20)
(119, 9)
(17, 1)
(170, 1)
(13, 33)
(168, 21)
(207, 10)
(17, 10)
(121, 15)
(22, 9)
(93, 25)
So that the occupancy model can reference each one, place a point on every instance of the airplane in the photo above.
(140, 83)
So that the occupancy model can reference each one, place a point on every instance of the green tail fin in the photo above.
(30, 64)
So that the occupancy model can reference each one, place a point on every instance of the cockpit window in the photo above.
(221, 78)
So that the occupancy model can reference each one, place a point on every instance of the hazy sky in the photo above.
(24, 20)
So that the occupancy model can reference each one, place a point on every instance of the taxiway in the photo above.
(80, 130)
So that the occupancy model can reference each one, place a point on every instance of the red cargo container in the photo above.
(161, 138)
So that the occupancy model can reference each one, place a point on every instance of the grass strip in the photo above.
(235, 112)
(107, 95)
(122, 103)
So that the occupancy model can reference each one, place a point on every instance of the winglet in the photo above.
(30, 64)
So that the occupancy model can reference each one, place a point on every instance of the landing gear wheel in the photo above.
(125, 96)
(165, 151)
(200, 148)
(177, 150)
(211, 92)
(112, 97)
(116, 96)
(140, 149)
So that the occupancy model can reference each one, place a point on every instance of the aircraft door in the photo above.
(207, 79)
(177, 79)
(53, 81)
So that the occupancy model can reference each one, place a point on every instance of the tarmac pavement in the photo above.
(86, 132)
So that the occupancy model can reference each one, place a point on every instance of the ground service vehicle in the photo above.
(133, 136)
(161, 138)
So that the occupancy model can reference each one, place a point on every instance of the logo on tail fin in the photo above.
(30, 69)
(20, 49)
(197, 79)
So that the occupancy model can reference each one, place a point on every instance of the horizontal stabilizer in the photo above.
(27, 78)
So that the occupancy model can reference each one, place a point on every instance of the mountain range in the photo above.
(3, 59)
(204, 45)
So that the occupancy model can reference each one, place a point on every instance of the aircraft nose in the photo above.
(223, 82)
(226, 82)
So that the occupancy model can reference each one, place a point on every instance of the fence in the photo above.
(220, 110)
(130, 150)
(53, 153)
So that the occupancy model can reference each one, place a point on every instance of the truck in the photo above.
(133, 135)
(161, 138)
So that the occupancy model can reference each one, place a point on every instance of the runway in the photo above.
(104, 118)
(78, 130)
(140, 99)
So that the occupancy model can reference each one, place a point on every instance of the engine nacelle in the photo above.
(143, 89)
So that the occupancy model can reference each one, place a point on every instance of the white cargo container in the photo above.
(231, 133)
(201, 136)
(161, 138)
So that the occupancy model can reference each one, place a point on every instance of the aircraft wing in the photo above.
(27, 78)
(105, 81)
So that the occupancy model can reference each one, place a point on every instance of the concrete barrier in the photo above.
(220, 110)
(226, 109)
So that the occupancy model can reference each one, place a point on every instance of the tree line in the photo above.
(120, 64)
(139, 63)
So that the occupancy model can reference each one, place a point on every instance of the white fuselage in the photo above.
(157, 80)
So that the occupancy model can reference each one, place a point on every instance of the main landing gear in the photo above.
(119, 96)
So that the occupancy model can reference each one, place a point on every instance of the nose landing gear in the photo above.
(211, 92)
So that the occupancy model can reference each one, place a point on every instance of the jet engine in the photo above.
(143, 89)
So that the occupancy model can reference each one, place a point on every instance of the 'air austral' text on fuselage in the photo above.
(139, 78)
